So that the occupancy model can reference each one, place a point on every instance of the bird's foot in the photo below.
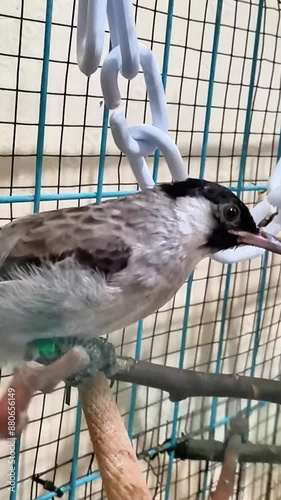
(102, 359)
(101, 356)
(71, 361)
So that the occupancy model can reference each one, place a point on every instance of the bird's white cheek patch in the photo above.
(194, 217)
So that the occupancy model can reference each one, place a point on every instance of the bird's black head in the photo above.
(233, 224)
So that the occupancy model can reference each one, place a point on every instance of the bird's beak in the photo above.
(262, 240)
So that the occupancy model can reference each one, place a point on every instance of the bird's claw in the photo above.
(102, 358)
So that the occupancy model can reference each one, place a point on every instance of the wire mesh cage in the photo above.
(221, 67)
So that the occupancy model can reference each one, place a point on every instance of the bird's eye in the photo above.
(231, 213)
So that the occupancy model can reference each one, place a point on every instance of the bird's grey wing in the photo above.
(88, 235)
(39, 300)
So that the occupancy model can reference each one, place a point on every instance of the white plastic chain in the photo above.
(126, 57)
(259, 212)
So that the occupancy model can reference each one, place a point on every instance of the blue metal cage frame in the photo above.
(37, 197)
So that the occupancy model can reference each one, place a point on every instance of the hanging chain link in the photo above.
(126, 57)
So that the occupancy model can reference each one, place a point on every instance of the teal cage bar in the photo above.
(258, 12)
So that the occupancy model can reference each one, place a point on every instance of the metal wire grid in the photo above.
(209, 322)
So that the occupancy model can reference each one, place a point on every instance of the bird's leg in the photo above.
(73, 361)
(101, 353)
(30, 378)
(76, 362)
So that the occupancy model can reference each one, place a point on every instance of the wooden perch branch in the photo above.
(182, 384)
(213, 451)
